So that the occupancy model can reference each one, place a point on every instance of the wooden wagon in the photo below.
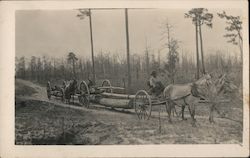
(142, 102)
(104, 95)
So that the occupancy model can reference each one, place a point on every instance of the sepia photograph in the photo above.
(94, 76)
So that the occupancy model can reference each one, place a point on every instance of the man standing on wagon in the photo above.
(156, 86)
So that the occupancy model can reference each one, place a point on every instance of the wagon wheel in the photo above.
(84, 94)
(106, 83)
(49, 90)
(142, 104)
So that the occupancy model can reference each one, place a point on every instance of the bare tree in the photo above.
(83, 13)
(147, 60)
(173, 59)
(204, 18)
(233, 28)
(128, 49)
(173, 55)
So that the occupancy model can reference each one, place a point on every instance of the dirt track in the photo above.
(40, 121)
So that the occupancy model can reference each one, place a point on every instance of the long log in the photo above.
(118, 96)
(115, 103)
(209, 101)
(121, 88)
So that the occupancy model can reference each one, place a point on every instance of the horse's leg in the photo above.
(191, 111)
(182, 111)
(211, 115)
(174, 111)
(168, 108)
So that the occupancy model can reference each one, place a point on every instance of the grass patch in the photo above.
(24, 90)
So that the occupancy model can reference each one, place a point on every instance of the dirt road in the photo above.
(40, 121)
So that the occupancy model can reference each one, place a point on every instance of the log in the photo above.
(107, 87)
(114, 103)
(118, 96)
(219, 101)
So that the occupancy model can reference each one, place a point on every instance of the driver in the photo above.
(156, 87)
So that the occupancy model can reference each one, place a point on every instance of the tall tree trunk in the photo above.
(128, 56)
(147, 62)
(74, 71)
(202, 55)
(92, 47)
(197, 51)
(54, 67)
(159, 58)
(81, 68)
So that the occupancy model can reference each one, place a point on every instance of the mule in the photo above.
(212, 92)
(181, 94)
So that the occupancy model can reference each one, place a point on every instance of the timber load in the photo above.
(112, 102)
(117, 96)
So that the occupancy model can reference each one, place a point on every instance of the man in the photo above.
(156, 87)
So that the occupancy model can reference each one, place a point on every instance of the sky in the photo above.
(55, 33)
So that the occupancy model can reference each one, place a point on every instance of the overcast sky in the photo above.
(55, 33)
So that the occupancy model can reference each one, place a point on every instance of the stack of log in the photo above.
(114, 100)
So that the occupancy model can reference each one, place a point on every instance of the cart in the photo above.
(142, 102)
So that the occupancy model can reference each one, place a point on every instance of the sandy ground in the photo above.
(42, 121)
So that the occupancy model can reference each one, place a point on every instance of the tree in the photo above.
(147, 60)
(39, 69)
(173, 59)
(233, 28)
(173, 55)
(128, 49)
(72, 60)
(20, 68)
(83, 13)
(199, 17)
(204, 18)
(33, 72)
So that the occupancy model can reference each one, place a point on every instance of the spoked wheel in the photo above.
(106, 83)
(84, 94)
(142, 105)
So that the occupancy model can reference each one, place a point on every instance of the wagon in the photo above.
(104, 95)
(141, 102)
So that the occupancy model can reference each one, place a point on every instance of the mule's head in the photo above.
(205, 86)
(204, 80)
(215, 86)
(225, 85)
